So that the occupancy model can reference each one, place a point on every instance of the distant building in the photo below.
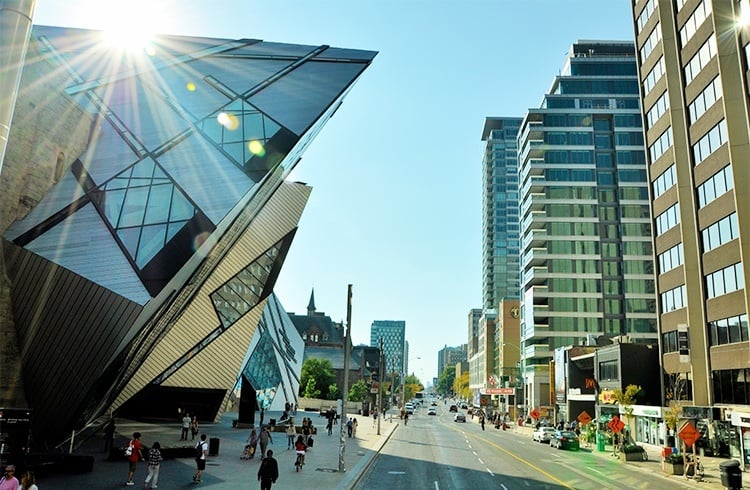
(393, 333)
(318, 329)
(449, 356)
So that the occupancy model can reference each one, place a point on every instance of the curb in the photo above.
(354, 475)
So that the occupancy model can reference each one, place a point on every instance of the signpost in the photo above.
(584, 418)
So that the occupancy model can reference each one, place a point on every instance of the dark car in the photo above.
(564, 439)
(453, 408)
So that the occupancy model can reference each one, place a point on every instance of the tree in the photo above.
(461, 386)
(319, 370)
(445, 381)
(626, 400)
(334, 393)
(358, 391)
(310, 390)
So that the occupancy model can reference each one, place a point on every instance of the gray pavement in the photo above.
(227, 470)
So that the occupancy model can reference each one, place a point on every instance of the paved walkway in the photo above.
(227, 470)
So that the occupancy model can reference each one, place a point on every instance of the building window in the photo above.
(672, 258)
(673, 299)
(645, 14)
(694, 22)
(704, 55)
(718, 184)
(669, 342)
(705, 100)
(661, 145)
(731, 386)
(651, 42)
(668, 219)
(608, 371)
(710, 142)
(725, 280)
(653, 76)
(666, 180)
(728, 330)
(657, 110)
(723, 231)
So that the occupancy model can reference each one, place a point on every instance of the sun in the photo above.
(130, 26)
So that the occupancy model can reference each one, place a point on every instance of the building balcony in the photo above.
(534, 239)
(535, 276)
(533, 167)
(535, 257)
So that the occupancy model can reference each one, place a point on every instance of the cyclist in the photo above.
(300, 449)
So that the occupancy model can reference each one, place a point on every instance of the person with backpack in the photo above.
(201, 452)
(133, 453)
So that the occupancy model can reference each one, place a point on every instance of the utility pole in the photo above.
(344, 395)
(381, 379)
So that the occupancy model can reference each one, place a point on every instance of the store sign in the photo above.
(683, 342)
(740, 419)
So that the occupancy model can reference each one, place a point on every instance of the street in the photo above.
(437, 453)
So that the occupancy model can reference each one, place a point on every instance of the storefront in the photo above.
(648, 427)
(739, 446)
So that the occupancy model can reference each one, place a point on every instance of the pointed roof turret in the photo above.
(311, 304)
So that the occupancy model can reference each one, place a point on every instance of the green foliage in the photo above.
(358, 391)
(445, 381)
(675, 458)
(672, 415)
(310, 390)
(627, 398)
(321, 371)
(334, 393)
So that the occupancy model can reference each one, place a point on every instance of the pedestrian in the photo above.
(252, 442)
(329, 425)
(268, 472)
(9, 480)
(28, 481)
(193, 427)
(264, 438)
(186, 420)
(374, 417)
(154, 462)
(306, 430)
(354, 427)
(201, 452)
(262, 412)
(133, 452)
(291, 431)
(481, 421)
(349, 427)
(109, 434)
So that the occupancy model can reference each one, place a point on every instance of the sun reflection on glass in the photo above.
(228, 120)
(256, 148)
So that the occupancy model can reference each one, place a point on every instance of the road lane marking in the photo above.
(490, 472)
(480, 460)
(504, 487)
(437, 487)
(396, 472)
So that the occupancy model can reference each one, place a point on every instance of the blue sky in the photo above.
(396, 173)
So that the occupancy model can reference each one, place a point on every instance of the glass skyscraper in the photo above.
(586, 247)
(393, 333)
(500, 228)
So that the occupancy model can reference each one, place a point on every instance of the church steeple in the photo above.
(311, 304)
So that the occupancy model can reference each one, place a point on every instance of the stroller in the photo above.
(248, 452)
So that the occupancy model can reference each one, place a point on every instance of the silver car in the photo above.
(543, 434)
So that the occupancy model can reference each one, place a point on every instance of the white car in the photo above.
(543, 434)
(432, 411)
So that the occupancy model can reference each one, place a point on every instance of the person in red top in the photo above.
(135, 455)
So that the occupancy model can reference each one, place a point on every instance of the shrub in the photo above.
(674, 458)
(633, 448)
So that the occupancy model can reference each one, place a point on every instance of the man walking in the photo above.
(264, 439)
(268, 472)
(201, 451)
(185, 426)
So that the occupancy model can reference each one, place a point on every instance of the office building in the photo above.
(693, 68)
(146, 217)
(449, 356)
(395, 350)
(500, 223)
(586, 247)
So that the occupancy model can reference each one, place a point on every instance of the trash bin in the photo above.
(600, 442)
(213, 446)
(731, 474)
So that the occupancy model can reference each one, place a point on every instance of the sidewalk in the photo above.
(711, 479)
(227, 470)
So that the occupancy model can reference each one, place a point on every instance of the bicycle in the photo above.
(300, 462)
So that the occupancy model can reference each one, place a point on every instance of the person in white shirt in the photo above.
(200, 461)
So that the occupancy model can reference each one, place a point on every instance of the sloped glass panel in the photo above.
(181, 208)
(237, 105)
(263, 372)
(133, 207)
(213, 129)
(117, 183)
(152, 240)
(158, 204)
(159, 174)
(253, 126)
(143, 170)
(227, 314)
(173, 228)
(113, 205)
(270, 126)
(129, 238)
(236, 151)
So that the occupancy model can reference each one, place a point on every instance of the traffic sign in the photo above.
(534, 413)
(584, 417)
(616, 424)
(689, 434)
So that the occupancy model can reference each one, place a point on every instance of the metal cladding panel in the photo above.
(239, 74)
(69, 330)
(107, 155)
(217, 365)
(276, 219)
(82, 243)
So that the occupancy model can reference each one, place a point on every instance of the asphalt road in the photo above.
(433, 452)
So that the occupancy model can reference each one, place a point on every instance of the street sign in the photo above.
(584, 417)
(534, 414)
(616, 424)
(498, 391)
(689, 434)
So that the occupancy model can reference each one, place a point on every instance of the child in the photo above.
(154, 461)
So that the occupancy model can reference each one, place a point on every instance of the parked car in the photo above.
(432, 411)
(543, 434)
(564, 439)
(453, 408)
(459, 417)
(463, 406)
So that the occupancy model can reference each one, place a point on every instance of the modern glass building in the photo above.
(693, 59)
(395, 350)
(146, 218)
(586, 247)
(500, 232)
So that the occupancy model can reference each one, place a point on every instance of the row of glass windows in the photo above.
(705, 99)
(653, 76)
(725, 280)
(666, 180)
(710, 142)
(576, 120)
(669, 342)
(582, 86)
(720, 232)
(695, 20)
(728, 330)
(661, 145)
(645, 14)
(657, 110)
(668, 219)
(732, 386)
(590, 192)
(719, 183)
(673, 299)
(674, 257)
(602, 68)
(651, 42)
(700, 59)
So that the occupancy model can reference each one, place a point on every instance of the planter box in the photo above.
(674, 468)
(639, 456)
